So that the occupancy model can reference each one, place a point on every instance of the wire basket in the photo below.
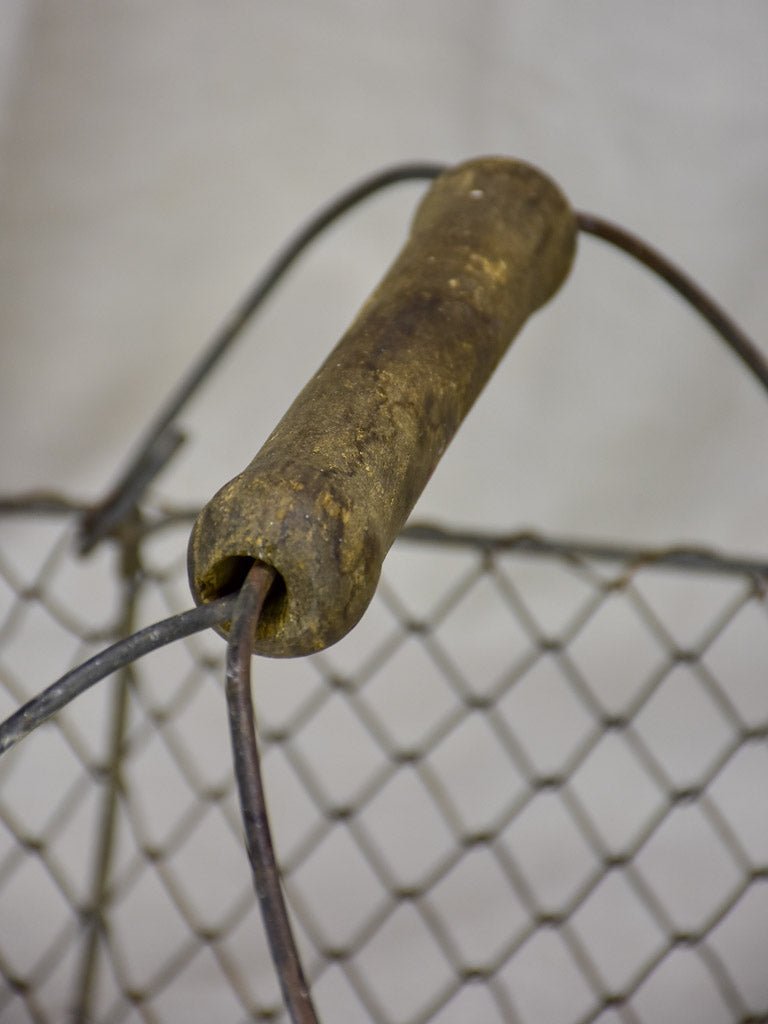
(576, 833)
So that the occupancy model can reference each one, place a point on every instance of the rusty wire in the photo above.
(363, 685)
(107, 518)
(684, 285)
(59, 694)
(258, 836)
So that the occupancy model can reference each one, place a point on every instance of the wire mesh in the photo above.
(528, 787)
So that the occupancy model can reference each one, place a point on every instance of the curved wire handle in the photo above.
(163, 438)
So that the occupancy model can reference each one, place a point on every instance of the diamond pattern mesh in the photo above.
(528, 787)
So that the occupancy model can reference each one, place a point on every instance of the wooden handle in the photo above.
(326, 496)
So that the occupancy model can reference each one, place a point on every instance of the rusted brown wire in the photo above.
(258, 838)
(704, 304)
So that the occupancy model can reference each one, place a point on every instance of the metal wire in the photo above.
(684, 285)
(693, 559)
(413, 752)
(454, 833)
(163, 439)
(124, 652)
(258, 836)
(75, 682)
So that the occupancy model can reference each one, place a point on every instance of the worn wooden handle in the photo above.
(326, 496)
